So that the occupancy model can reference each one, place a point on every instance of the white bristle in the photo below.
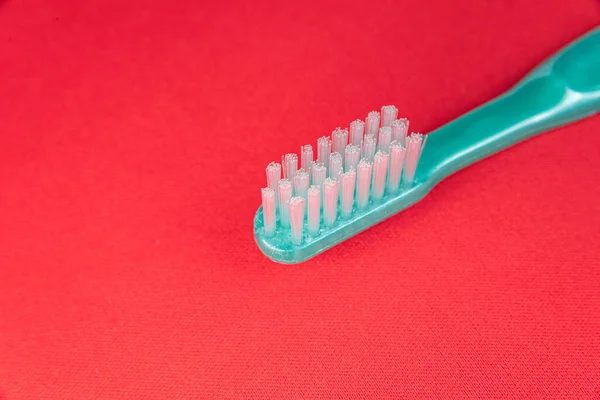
(335, 165)
(385, 138)
(414, 147)
(297, 218)
(397, 153)
(290, 165)
(301, 183)
(323, 150)
(330, 201)
(319, 173)
(285, 194)
(314, 210)
(380, 164)
(388, 115)
(306, 157)
(372, 124)
(369, 147)
(363, 183)
(273, 177)
(273, 174)
(352, 166)
(268, 203)
(399, 130)
(339, 141)
(357, 130)
(347, 183)
(352, 157)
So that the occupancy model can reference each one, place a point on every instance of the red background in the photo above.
(133, 141)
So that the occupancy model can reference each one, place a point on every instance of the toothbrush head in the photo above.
(361, 177)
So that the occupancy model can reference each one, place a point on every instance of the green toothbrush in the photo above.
(353, 186)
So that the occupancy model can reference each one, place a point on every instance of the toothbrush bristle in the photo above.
(388, 115)
(301, 183)
(397, 153)
(323, 150)
(357, 130)
(352, 157)
(369, 147)
(314, 210)
(380, 164)
(319, 173)
(330, 201)
(285, 194)
(273, 177)
(372, 123)
(306, 157)
(269, 212)
(296, 219)
(400, 130)
(290, 165)
(347, 183)
(363, 183)
(335, 165)
(355, 169)
(385, 138)
(339, 141)
(414, 147)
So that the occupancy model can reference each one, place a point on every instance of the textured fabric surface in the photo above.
(133, 141)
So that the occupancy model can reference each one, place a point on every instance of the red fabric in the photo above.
(133, 141)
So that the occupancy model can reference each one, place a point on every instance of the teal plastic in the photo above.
(563, 89)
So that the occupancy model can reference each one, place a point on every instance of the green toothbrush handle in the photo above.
(564, 88)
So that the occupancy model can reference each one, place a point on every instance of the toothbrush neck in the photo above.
(564, 88)
(530, 108)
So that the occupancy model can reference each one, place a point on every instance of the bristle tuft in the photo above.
(363, 184)
(297, 205)
(306, 156)
(285, 194)
(273, 174)
(352, 157)
(357, 130)
(400, 130)
(385, 138)
(335, 165)
(339, 141)
(314, 210)
(369, 147)
(268, 203)
(290, 165)
(319, 173)
(414, 147)
(388, 115)
(372, 124)
(347, 184)
(273, 177)
(380, 164)
(397, 154)
(323, 150)
(301, 183)
(330, 201)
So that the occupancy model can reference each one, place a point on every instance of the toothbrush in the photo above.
(368, 173)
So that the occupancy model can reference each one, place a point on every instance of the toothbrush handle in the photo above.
(563, 89)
